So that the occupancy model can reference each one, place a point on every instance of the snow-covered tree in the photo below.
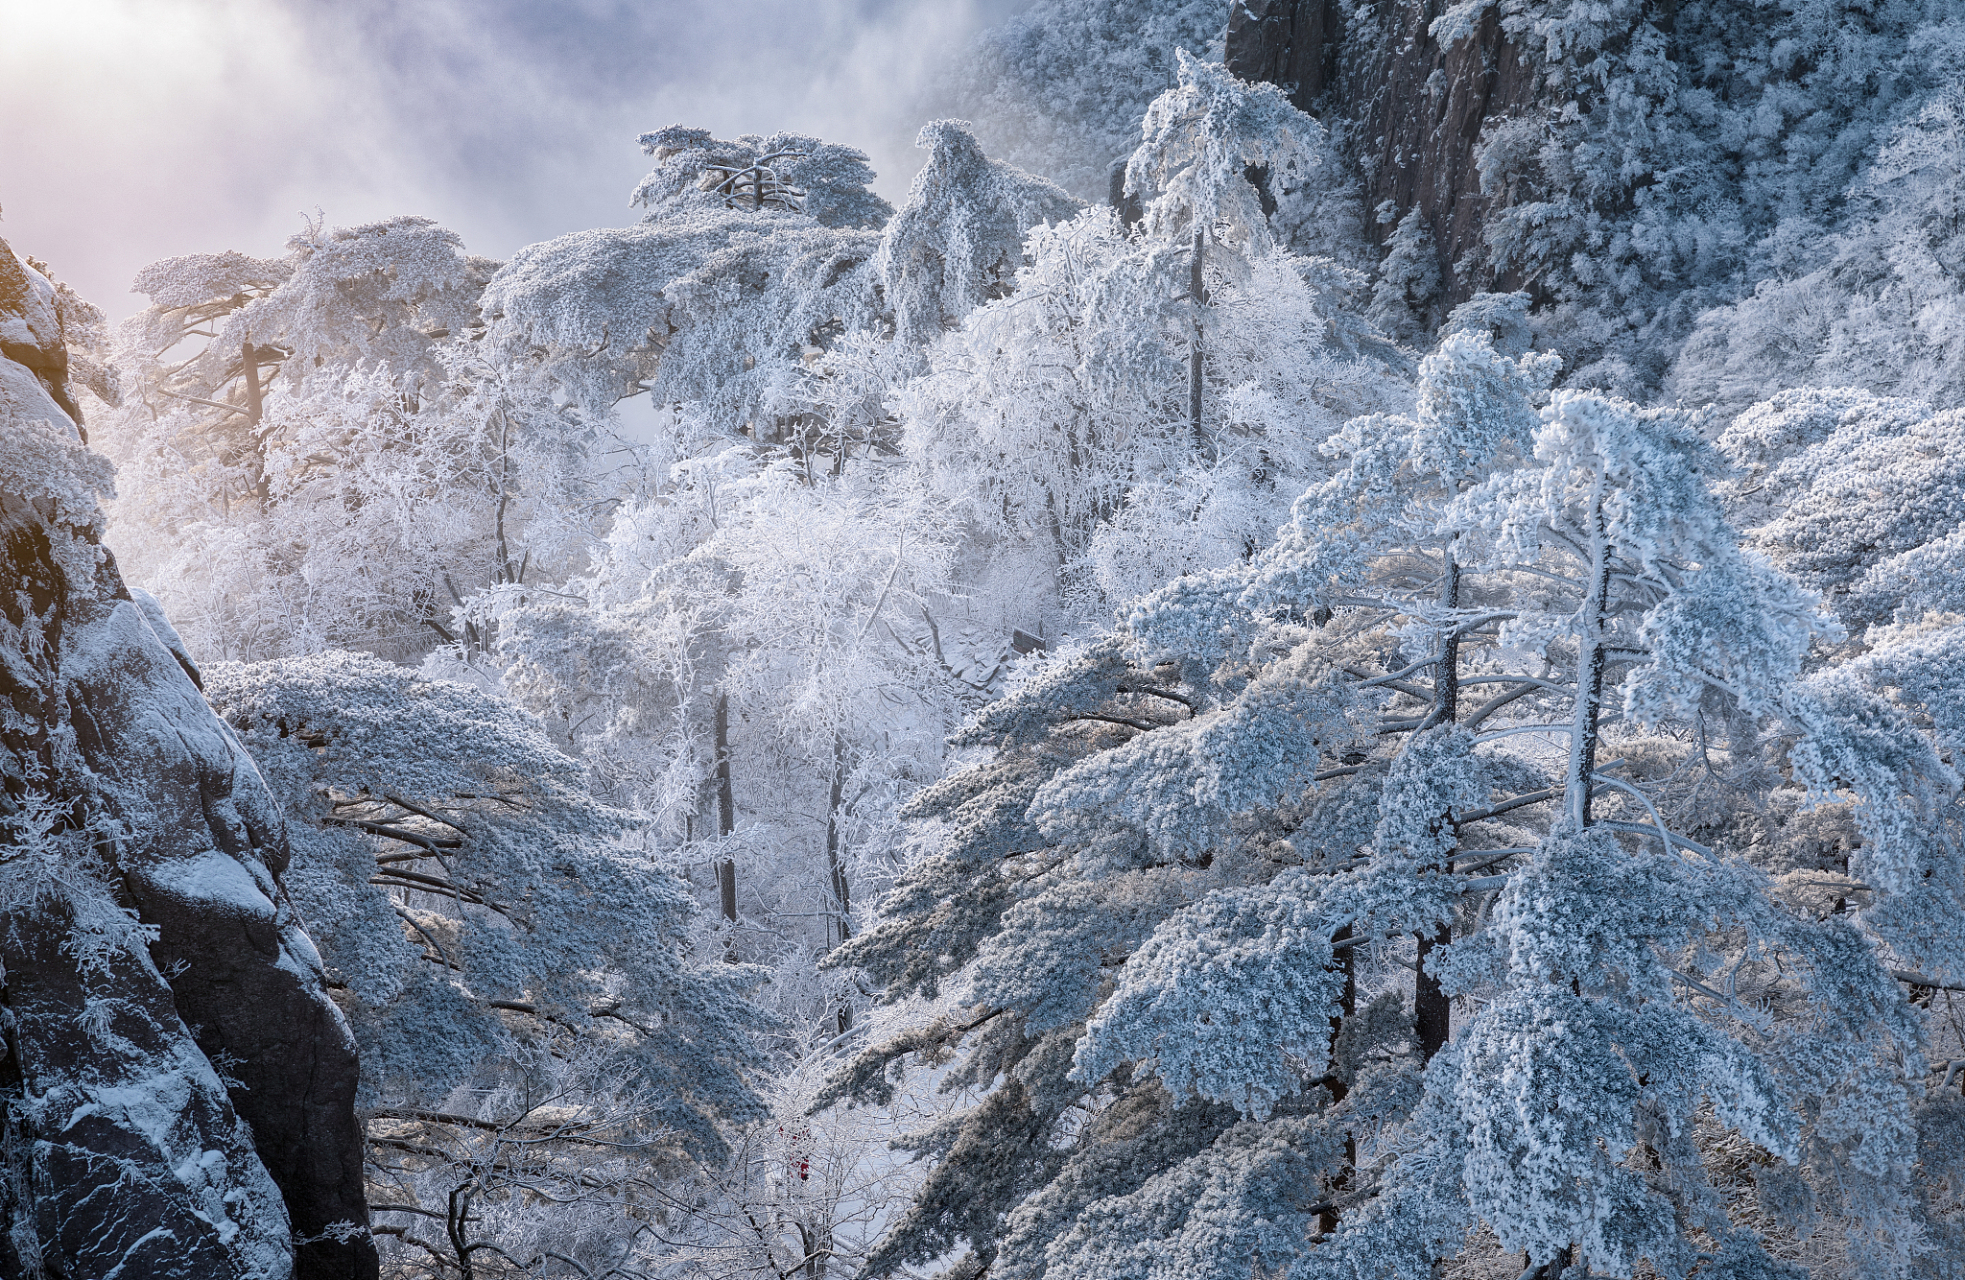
(1499, 817)
(715, 303)
(386, 501)
(805, 1194)
(1064, 417)
(1676, 160)
(958, 240)
(536, 1021)
(1288, 358)
(1203, 144)
(1157, 916)
(745, 582)
(1212, 150)
(1038, 409)
(1861, 497)
(385, 293)
(759, 640)
(339, 464)
(715, 310)
(787, 171)
(1404, 298)
(1884, 310)
(1059, 88)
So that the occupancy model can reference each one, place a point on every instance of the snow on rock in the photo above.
(177, 1087)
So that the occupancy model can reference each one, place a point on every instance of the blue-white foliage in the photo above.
(1508, 711)
(1259, 759)
(1230, 999)
(1182, 787)
(447, 858)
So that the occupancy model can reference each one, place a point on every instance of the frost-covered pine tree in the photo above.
(338, 464)
(385, 293)
(1211, 150)
(786, 171)
(538, 1023)
(1205, 145)
(1167, 914)
(958, 240)
(714, 303)
(1063, 418)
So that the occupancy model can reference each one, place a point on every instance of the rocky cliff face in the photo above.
(177, 1088)
(1413, 114)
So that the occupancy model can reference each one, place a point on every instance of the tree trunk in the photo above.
(1432, 1012)
(1348, 1007)
(250, 452)
(726, 808)
(249, 355)
(1590, 662)
(1197, 293)
(1432, 1015)
(842, 891)
(1446, 678)
(817, 1244)
(506, 573)
(836, 869)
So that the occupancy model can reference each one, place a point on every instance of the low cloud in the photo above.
(132, 130)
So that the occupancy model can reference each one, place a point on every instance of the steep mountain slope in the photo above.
(1637, 166)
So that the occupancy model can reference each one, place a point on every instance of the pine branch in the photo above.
(1919, 980)
(397, 833)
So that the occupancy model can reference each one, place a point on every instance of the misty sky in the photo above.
(132, 130)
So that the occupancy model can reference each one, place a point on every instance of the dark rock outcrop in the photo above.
(1292, 44)
(1412, 113)
(178, 1089)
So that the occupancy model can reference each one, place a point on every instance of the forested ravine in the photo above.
(1337, 651)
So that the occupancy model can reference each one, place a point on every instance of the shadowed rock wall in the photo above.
(178, 1091)
(1413, 113)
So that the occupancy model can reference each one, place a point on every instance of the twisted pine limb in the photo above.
(1919, 980)
(396, 833)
